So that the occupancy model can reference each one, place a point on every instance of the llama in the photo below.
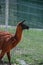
(9, 41)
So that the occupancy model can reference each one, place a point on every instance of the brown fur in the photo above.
(9, 41)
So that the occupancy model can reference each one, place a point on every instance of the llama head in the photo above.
(23, 26)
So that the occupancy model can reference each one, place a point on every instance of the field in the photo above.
(30, 49)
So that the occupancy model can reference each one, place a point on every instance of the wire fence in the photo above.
(31, 11)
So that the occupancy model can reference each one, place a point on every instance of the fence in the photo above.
(30, 10)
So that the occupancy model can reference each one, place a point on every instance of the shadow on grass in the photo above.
(5, 63)
(38, 63)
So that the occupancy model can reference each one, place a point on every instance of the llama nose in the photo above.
(27, 27)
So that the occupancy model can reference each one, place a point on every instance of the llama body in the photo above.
(4, 36)
(9, 41)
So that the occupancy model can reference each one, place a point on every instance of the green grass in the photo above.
(30, 47)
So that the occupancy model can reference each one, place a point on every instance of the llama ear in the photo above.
(23, 21)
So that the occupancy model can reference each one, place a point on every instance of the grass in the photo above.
(30, 48)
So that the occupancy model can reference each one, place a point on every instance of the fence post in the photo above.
(6, 14)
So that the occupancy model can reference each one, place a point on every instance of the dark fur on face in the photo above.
(24, 26)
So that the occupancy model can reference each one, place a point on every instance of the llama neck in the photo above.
(18, 34)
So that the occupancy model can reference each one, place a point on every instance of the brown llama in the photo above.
(9, 41)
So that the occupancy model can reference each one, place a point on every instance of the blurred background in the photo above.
(18, 10)
(30, 49)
